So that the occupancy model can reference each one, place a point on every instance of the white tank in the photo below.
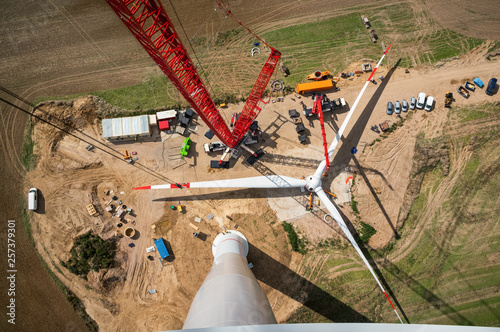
(230, 294)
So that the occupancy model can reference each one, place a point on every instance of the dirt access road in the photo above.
(69, 177)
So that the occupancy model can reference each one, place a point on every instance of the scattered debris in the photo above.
(91, 209)
(196, 228)
(384, 126)
(365, 22)
(284, 70)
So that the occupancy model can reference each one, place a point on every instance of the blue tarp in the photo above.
(162, 249)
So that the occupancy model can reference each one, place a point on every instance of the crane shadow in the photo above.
(294, 285)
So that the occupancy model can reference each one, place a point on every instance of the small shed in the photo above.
(164, 118)
(162, 249)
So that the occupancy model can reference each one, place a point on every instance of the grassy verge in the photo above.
(28, 158)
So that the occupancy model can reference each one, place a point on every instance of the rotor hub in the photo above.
(313, 182)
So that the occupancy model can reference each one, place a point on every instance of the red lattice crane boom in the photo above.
(150, 25)
(318, 109)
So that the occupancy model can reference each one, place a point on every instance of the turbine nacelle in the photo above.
(313, 182)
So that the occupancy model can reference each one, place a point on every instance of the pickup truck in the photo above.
(214, 146)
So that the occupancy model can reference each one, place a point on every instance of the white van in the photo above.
(429, 104)
(421, 100)
(33, 199)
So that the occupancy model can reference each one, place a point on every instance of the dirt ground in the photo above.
(58, 47)
(69, 178)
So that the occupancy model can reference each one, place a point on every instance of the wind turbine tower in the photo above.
(230, 294)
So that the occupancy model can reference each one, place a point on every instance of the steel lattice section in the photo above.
(254, 104)
(150, 25)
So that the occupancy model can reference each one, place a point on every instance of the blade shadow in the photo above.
(343, 155)
(375, 196)
(373, 264)
(234, 194)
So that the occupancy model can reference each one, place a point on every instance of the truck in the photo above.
(315, 86)
(214, 147)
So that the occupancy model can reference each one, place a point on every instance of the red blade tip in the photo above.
(141, 188)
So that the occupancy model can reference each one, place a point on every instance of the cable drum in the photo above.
(277, 85)
(325, 218)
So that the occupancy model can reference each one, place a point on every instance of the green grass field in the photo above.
(451, 274)
(331, 44)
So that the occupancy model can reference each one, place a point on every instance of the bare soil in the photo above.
(69, 178)
(58, 48)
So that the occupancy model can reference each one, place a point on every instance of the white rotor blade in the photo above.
(269, 181)
(322, 165)
(338, 218)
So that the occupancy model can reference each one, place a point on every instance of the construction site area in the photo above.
(417, 183)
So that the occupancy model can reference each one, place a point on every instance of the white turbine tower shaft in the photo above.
(230, 294)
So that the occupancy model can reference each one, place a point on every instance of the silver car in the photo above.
(397, 107)
(413, 101)
(405, 106)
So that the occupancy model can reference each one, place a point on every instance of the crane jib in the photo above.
(150, 25)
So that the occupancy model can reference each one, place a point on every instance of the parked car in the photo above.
(32, 199)
(413, 101)
(390, 108)
(404, 108)
(421, 100)
(429, 103)
(491, 86)
(397, 107)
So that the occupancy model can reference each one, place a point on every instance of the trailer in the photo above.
(315, 86)
(463, 92)
(162, 248)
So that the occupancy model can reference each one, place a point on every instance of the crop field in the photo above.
(331, 42)
(446, 268)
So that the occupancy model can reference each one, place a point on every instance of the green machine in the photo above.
(185, 147)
